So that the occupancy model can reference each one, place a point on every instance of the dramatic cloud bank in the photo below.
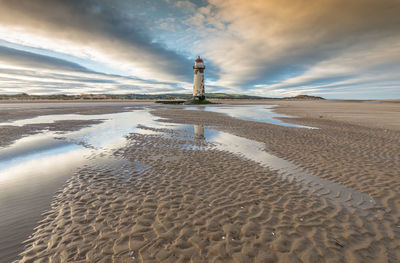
(331, 48)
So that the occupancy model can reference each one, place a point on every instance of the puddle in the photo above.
(49, 119)
(88, 141)
(259, 113)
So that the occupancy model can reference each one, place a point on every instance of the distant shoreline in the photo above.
(147, 100)
(166, 96)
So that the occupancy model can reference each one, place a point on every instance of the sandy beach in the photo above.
(193, 185)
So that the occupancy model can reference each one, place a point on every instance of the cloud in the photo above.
(22, 71)
(25, 59)
(99, 30)
(369, 70)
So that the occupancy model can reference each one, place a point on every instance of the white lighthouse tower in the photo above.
(198, 82)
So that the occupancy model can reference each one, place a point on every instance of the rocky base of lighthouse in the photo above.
(197, 101)
(199, 97)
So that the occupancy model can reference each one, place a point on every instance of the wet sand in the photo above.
(177, 196)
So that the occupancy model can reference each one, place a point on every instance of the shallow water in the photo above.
(260, 113)
(103, 137)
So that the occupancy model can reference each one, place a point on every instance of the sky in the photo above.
(337, 49)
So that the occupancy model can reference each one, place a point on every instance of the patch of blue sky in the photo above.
(357, 91)
(278, 77)
(326, 81)
(175, 34)
(322, 83)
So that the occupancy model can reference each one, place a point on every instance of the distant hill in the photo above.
(24, 96)
(303, 97)
(184, 96)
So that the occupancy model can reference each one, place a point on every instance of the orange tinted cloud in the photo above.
(267, 39)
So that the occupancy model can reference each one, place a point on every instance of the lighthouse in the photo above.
(198, 81)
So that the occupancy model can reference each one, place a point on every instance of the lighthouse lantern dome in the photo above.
(198, 63)
(198, 59)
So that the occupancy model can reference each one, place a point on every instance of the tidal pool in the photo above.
(260, 113)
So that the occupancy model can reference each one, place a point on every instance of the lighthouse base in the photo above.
(199, 97)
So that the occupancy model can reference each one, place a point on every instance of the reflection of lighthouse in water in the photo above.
(198, 81)
(199, 132)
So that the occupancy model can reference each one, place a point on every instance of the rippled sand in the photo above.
(165, 201)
